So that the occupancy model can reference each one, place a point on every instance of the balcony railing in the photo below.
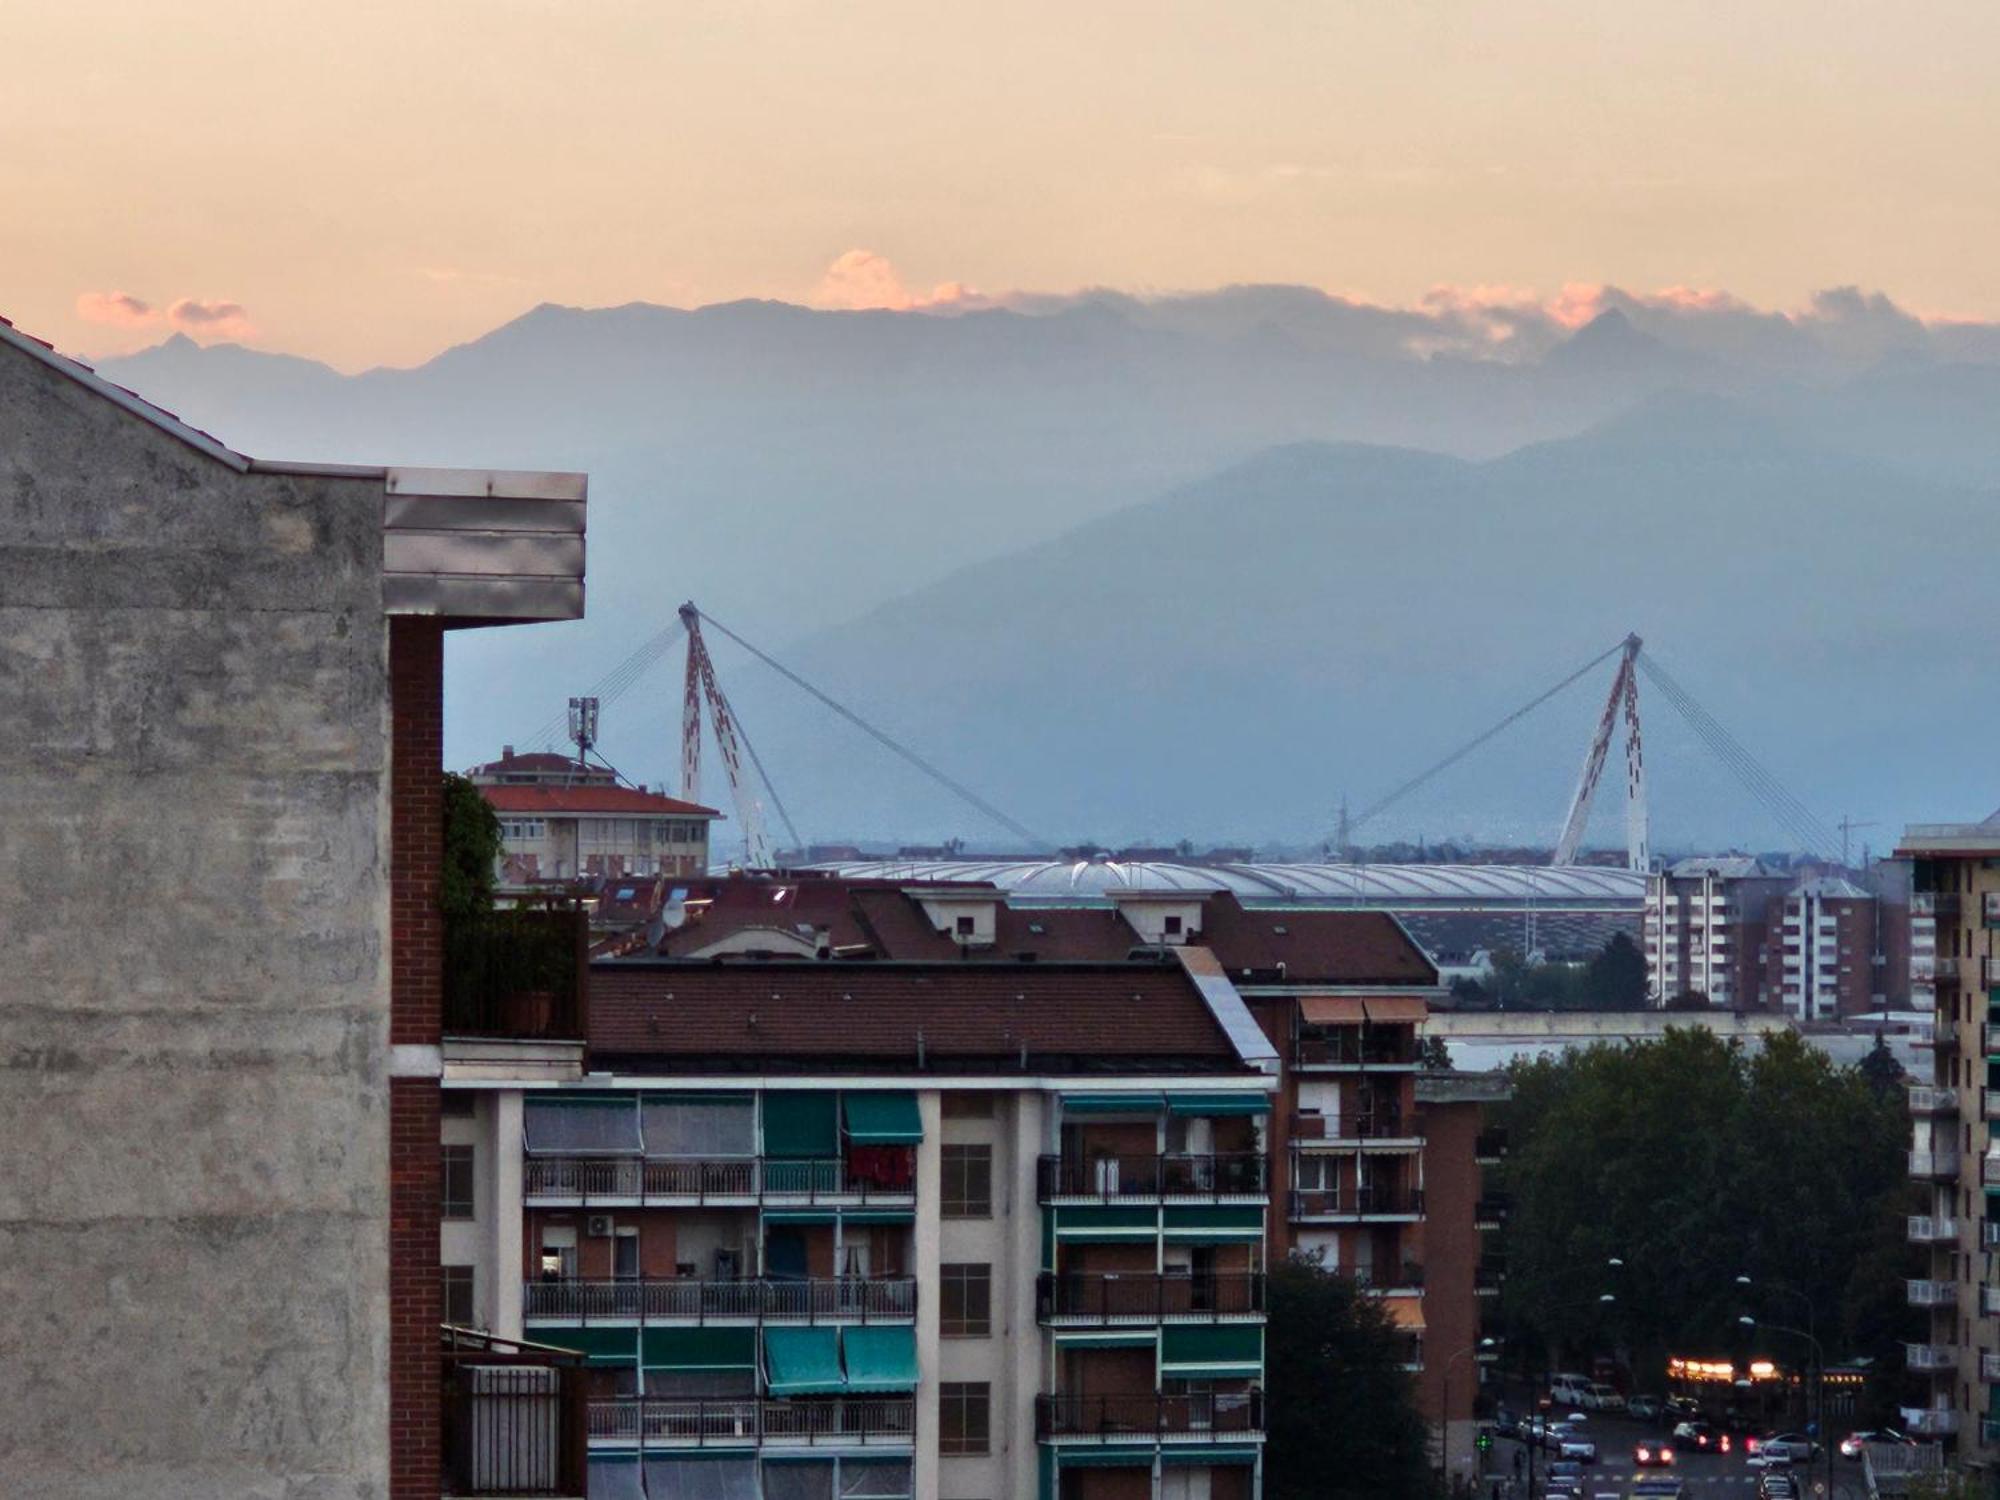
(1359, 1128)
(511, 1424)
(1989, 1038)
(1934, 904)
(1989, 972)
(1930, 1421)
(684, 1180)
(1989, 1170)
(1989, 1103)
(518, 974)
(1487, 1276)
(1240, 1174)
(747, 1421)
(1927, 1229)
(1943, 1163)
(1930, 1358)
(1491, 1211)
(1925, 1100)
(1085, 1297)
(1357, 1203)
(844, 1299)
(1489, 1147)
(1111, 1419)
(1989, 1301)
(1933, 1293)
(1348, 1049)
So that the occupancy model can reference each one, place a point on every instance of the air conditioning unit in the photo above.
(598, 1226)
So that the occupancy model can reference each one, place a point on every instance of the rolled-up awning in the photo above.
(803, 1362)
(1396, 1010)
(1128, 1222)
(1226, 1351)
(1407, 1313)
(1173, 1455)
(599, 1346)
(1113, 1104)
(1104, 1458)
(1219, 1104)
(1332, 1010)
(882, 1117)
(879, 1359)
(1197, 1223)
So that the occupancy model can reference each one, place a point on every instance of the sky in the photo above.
(371, 182)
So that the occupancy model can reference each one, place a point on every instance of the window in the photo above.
(964, 1416)
(1173, 926)
(457, 1182)
(457, 1104)
(965, 926)
(965, 1300)
(458, 1295)
(967, 1192)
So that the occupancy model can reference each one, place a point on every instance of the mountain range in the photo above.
(1202, 566)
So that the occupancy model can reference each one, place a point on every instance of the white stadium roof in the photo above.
(1392, 886)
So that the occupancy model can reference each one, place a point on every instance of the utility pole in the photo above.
(1847, 825)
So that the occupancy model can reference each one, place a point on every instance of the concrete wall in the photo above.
(193, 991)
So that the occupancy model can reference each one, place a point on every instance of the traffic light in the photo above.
(1484, 1442)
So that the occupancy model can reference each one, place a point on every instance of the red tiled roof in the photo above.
(1064, 932)
(534, 760)
(588, 799)
(1315, 947)
(887, 1012)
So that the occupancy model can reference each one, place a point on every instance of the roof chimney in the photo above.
(506, 752)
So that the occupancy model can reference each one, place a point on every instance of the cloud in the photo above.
(118, 309)
(861, 280)
(220, 319)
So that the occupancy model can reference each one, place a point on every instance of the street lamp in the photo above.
(1444, 1400)
(1819, 1433)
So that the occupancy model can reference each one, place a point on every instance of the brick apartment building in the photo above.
(221, 694)
(563, 820)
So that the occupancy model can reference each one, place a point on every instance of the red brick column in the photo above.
(416, 956)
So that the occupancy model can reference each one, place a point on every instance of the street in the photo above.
(1703, 1473)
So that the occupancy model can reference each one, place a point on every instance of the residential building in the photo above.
(221, 1204)
(563, 820)
(1822, 958)
(1706, 924)
(938, 1228)
(1956, 885)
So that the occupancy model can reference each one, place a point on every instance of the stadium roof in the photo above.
(1393, 886)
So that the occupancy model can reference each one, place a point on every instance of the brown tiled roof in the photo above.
(543, 799)
(1315, 947)
(1055, 933)
(778, 1014)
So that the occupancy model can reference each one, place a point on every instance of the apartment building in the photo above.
(222, 1113)
(1822, 958)
(1956, 887)
(955, 1229)
(1706, 924)
(563, 820)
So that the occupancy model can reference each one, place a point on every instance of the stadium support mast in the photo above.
(1623, 701)
(701, 684)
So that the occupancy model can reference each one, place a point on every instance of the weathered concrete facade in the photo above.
(194, 993)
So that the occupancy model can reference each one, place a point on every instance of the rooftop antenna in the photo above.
(583, 727)
(1847, 825)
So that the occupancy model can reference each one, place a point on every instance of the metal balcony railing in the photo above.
(1989, 1103)
(1491, 1211)
(1084, 1297)
(1934, 904)
(1989, 1038)
(1489, 1147)
(520, 974)
(747, 1421)
(1989, 972)
(682, 1180)
(1112, 1419)
(1926, 1100)
(1933, 1164)
(512, 1425)
(1930, 1421)
(1486, 1278)
(1375, 1126)
(1930, 1358)
(1357, 1203)
(1349, 1048)
(843, 1299)
(1240, 1174)
(1927, 1229)
(1989, 1301)
(1989, 1170)
(1933, 1293)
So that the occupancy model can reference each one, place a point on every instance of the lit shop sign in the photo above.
(1718, 1371)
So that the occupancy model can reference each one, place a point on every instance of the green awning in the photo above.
(599, 1346)
(1113, 1104)
(719, 1348)
(880, 1359)
(800, 1215)
(803, 1362)
(878, 1216)
(1108, 1221)
(1219, 1104)
(1104, 1458)
(882, 1117)
(1132, 1338)
(799, 1124)
(1172, 1455)
(1212, 1222)
(1225, 1351)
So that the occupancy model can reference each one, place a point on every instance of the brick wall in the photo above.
(416, 687)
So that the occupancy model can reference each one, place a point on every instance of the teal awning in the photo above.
(800, 1215)
(1172, 1455)
(1113, 1104)
(1226, 1351)
(1108, 1221)
(1104, 1458)
(720, 1348)
(880, 1359)
(800, 1124)
(600, 1346)
(1219, 1104)
(878, 1216)
(803, 1362)
(882, 1117)
(1212, 1222)
(1132, 1338)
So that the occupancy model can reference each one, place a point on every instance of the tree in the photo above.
(471, 849)
(1947, 1484)
(1880, 1068)
(1341, 1419)
(1435, 1053)
(1616, 978)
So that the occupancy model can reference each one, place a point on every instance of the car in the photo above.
(1650, 1453)
(1565, 1472)
(1644, 1408)
(1682, 1408)
(1568, 1389)
(1575, 1445)
(1658, 1487)
(1852, 1445)
(1597, 1396)
(1791, 1447)
(1777, 1486)
(1506, 1422)
(1701, 1435)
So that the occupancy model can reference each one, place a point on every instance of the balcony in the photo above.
(1929, 1421)
(517, 975)
(1177, 1418)
(1989, 1368)
(754, 1421)
(1989, 1234)
(1489, 1147)
(1346, 1050)
(1384, 1130)
(1933, 1293)
(1491, 1211)
(1937, 1164)
(1934, 904)
(1925, 1100)
(1989, 1103)
(1936, 967)
(846, 1299)
(1928, 1230)
(1989, 1170)
(630, 1181)
(1989, 972)
(1084, 1299)
(511, 1421)
(1233, 1177)
(1486, 1278)
(1989, 1301)
(1989, 908)
(1357, 1205)
(1929, 1359)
